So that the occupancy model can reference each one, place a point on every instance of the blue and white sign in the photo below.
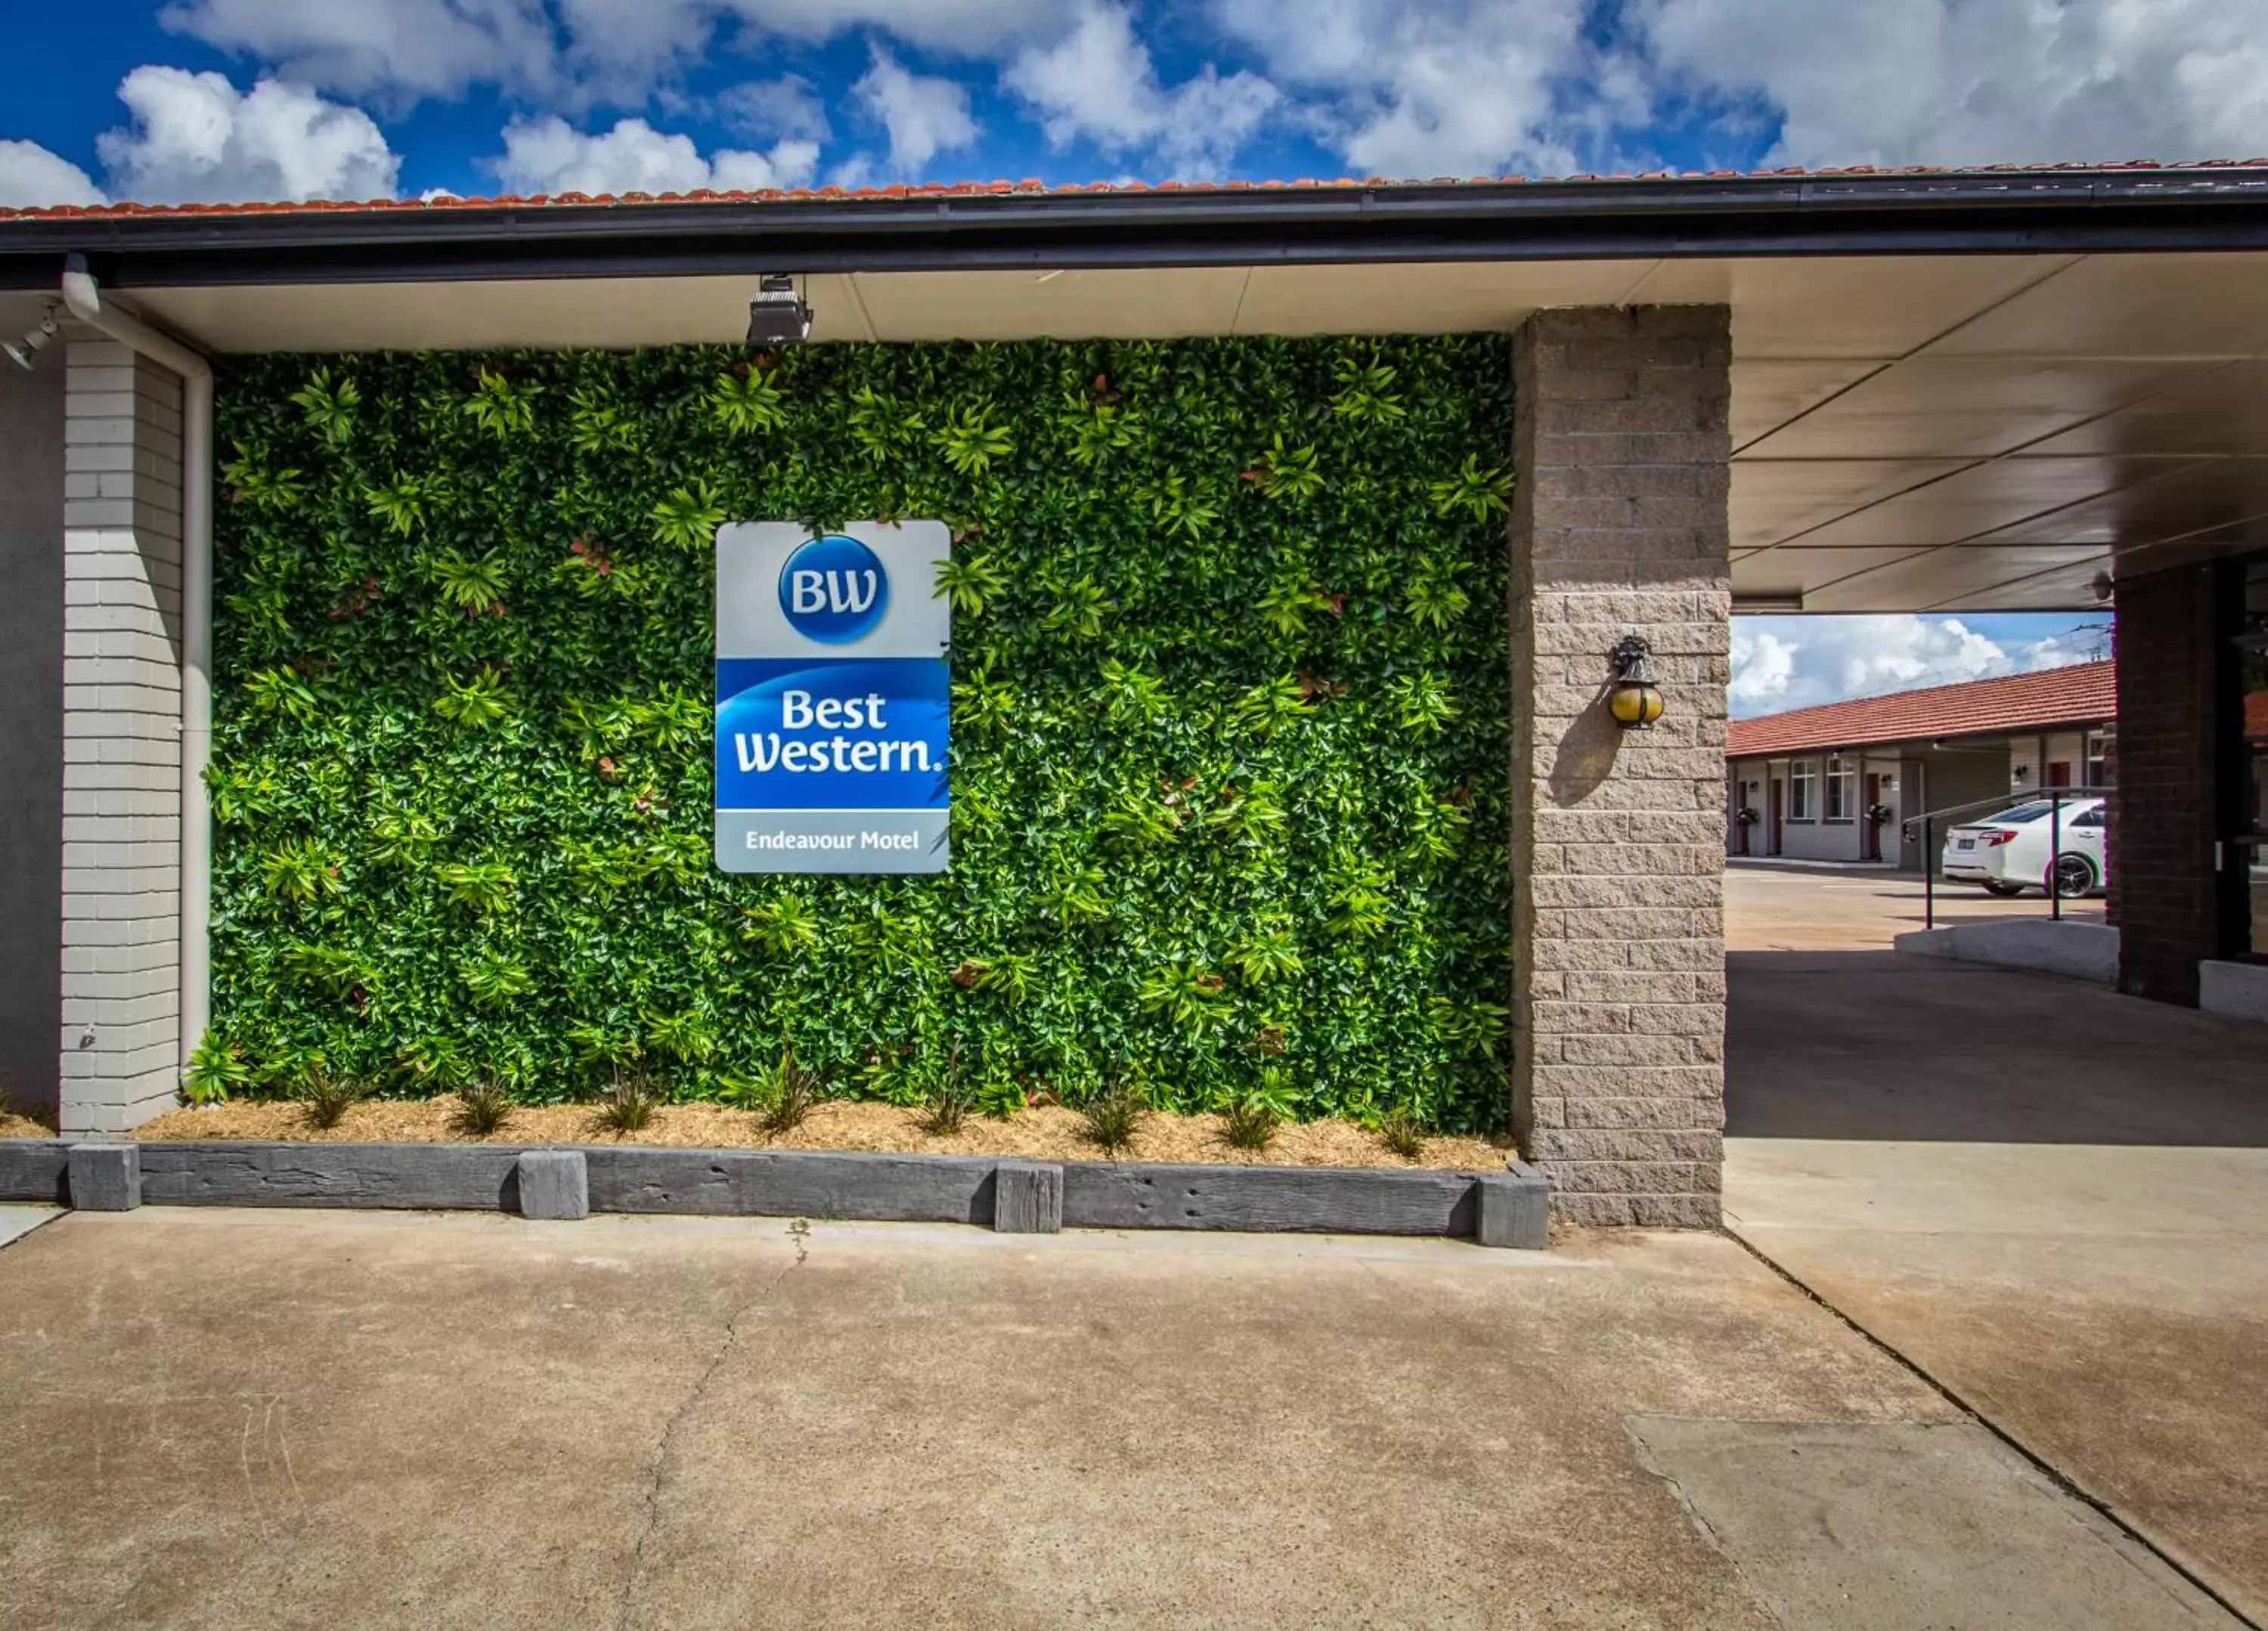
(832, 697)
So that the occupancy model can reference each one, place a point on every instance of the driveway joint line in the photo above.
(2055, 1476)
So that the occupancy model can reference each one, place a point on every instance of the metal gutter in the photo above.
(83, 296)
(2044, 212)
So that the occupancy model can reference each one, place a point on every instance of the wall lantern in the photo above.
(1632, 697)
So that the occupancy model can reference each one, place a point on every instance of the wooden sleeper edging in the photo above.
(1505, 1209)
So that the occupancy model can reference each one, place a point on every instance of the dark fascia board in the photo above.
(2041, 212)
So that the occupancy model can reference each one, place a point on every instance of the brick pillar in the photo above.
(1621, 446)
(2165, 811)
(122, 739)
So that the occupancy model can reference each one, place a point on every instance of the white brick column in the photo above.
(1619, 527)
(122, 739)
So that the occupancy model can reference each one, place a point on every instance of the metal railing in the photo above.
(2056, 796)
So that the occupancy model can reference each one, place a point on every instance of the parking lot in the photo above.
(1784, 906)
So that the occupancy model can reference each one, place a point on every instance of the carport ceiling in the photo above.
(1911, 432)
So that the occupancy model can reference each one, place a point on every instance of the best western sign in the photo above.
(831, 698)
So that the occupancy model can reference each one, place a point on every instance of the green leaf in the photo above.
(971, 441)
(328, 408)
(1480, 493)
(747, 403)
(689, 518)
(969, 582)
(476, 585)
(501, 407)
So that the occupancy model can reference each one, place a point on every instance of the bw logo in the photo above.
(834, 590)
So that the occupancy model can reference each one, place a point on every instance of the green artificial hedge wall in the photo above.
(1230, 727)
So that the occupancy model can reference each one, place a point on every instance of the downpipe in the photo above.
(83, 298)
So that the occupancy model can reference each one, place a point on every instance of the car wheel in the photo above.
(1993, 887)
(2075, 877)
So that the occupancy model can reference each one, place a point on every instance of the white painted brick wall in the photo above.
(121, 739)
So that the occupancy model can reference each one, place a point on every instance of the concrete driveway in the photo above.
(2051, 1199)
(257, 1418)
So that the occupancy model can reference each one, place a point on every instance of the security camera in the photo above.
(24, 352)
(778, 315)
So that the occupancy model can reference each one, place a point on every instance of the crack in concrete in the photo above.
(657, 1466)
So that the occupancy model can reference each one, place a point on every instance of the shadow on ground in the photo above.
(1881, 1045)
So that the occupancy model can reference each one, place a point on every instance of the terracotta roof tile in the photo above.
(983, 189)
(2079, 694)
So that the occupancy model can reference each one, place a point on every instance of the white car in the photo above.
(2008, 853)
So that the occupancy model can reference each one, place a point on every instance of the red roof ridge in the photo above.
(2075, 693)
(986, 190)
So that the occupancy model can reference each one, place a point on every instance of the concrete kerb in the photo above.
(1507, 1208)
(2074, 950)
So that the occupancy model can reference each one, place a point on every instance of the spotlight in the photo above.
(24, 352)
(778, 315)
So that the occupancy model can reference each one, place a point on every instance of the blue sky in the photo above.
(228, 99)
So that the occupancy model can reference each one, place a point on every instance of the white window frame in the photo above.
(2094, 757)
(1803, 789)
(1841, 791)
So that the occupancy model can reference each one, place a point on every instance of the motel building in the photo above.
(369, 564)
(1849, 782)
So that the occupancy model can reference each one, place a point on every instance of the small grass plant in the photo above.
(483, 1107)
(788, 1095)
(1112, 1116)
(1249, 1119)
(630, 1102)
(950, 1107)
(327, 1099)
(1404, 1133)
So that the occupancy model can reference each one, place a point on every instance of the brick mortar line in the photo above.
(2040, 1464)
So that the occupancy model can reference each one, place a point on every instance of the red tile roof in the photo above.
(982, 189)
(2083, 694)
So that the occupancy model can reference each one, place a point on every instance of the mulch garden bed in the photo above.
(1041, 1133)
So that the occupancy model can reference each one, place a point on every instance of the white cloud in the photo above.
(570, 53)
(1098, 83)
(31, 177)
(1428, 87)
(1953, 82)
(397, 49)
(957, 27)
(1780, 662)
(922, 115)
(785, 107)
(195, 137)
(547, 155)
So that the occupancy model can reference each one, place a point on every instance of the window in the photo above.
(1802, 779)
(2098, 759)
(1842, 790)
(2090, 818)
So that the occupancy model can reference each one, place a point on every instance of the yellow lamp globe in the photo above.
(1635, 705)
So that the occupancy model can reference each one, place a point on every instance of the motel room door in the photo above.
(1775, 813)
(1870, 839)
